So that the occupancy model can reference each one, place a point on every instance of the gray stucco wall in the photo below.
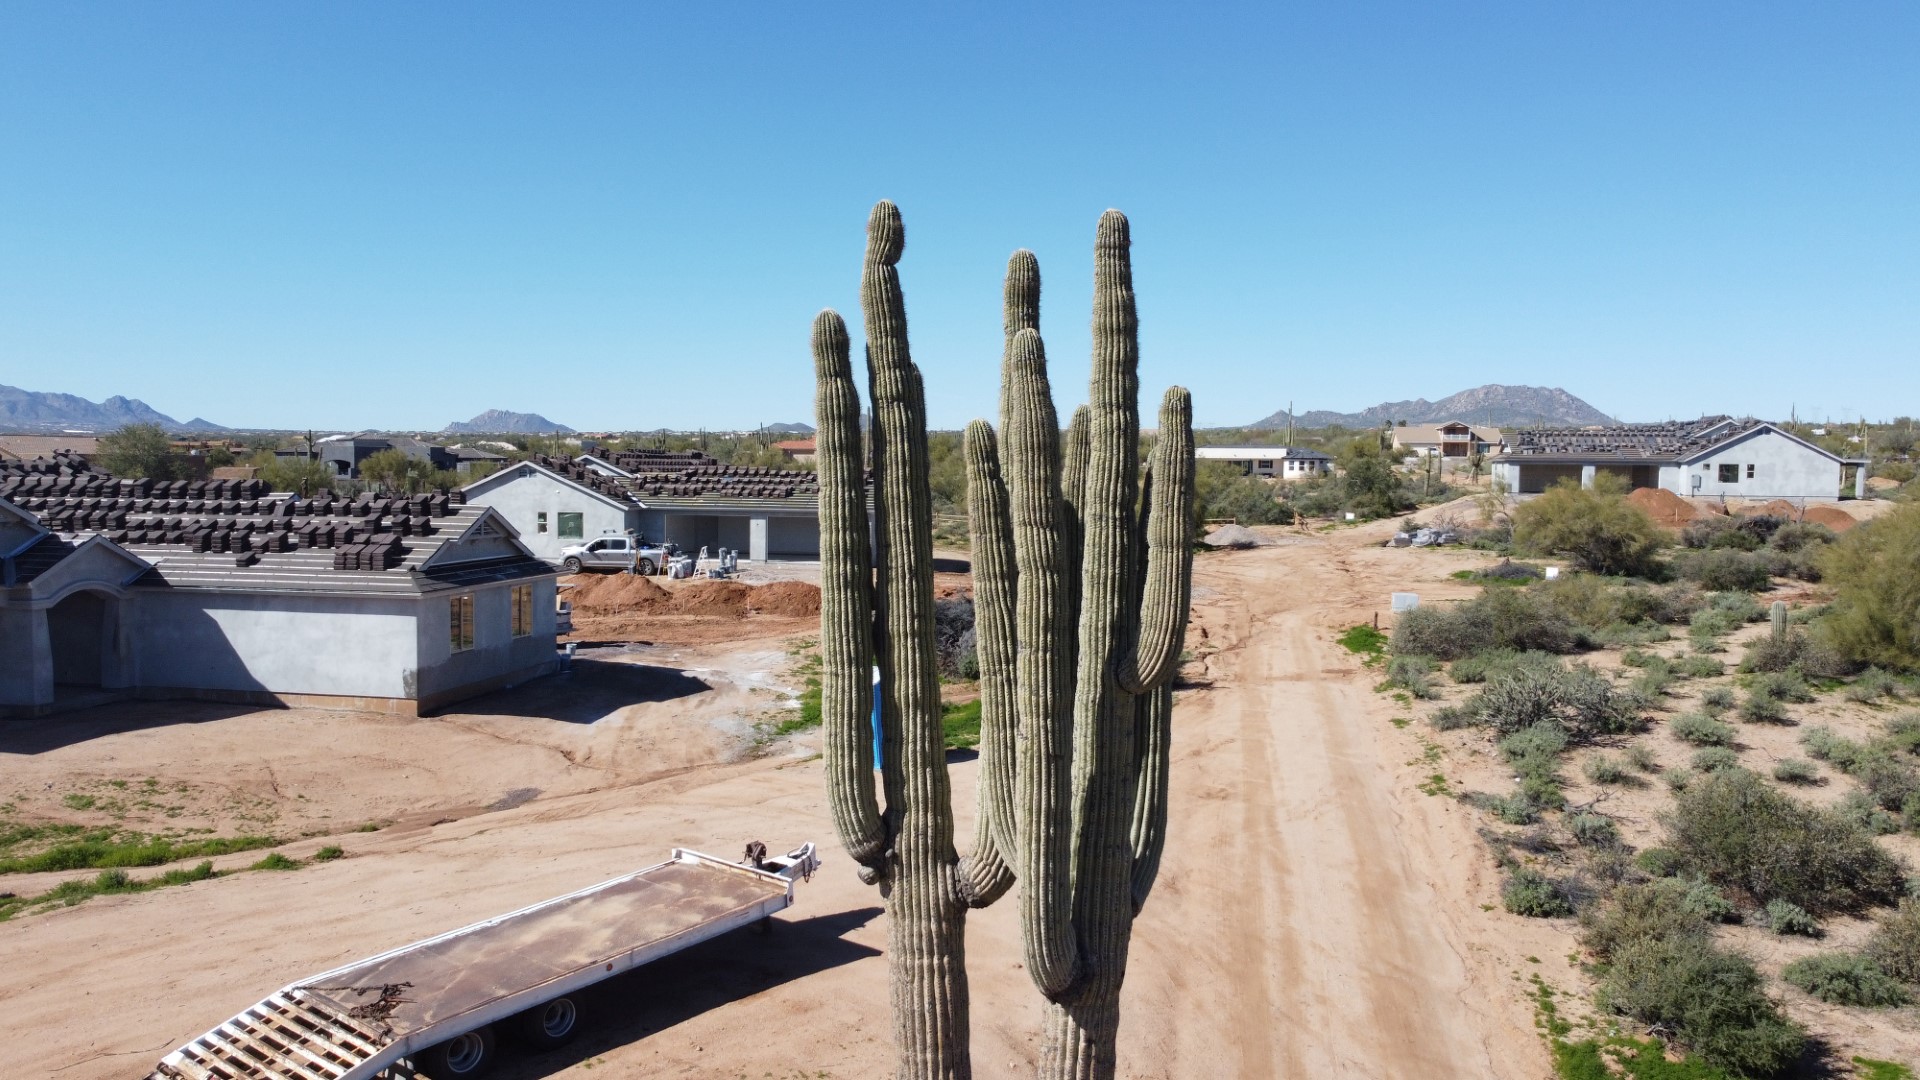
(496, 652)
(522, 494)
(352, 646)
(1782, 469)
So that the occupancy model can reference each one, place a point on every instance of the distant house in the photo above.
(797, 450)
(29, 447)
(554, 503)
(1712, 456)
(472, 459)
(1283, 462)
(220, 590)
(344, 453)
(1453, 438)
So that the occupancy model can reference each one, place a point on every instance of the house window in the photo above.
(1729, 474)
(460, 623)
(1749, 472)
(572, 526)
(540, 522)
(1267, 464)
(522, 610)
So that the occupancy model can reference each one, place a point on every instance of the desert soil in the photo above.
(1317, 914)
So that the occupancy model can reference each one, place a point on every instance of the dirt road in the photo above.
(1317, 915)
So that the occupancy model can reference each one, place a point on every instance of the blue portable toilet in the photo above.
(876, 719)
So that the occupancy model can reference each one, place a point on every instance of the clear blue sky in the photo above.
(625, 215)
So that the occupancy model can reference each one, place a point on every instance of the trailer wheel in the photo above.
(461, 1056)
(544, 1027)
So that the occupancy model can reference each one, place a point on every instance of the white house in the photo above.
(1284, 462)
(116, 588)
(1453, 438)
(1712, 456)
(763, 513)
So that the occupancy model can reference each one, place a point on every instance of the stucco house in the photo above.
(220, 590)
(1282, 462)
(762, 513)
(1454, 438)
(1715, 456)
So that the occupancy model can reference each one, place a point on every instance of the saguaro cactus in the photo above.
(1100, 597)
(1777, 617)
(906, 847)
(1080, 605)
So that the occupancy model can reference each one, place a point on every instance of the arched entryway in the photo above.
(77, 630)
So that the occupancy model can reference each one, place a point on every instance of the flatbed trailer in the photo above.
(430, 1008)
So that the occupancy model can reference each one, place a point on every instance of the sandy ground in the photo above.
(1316, 915)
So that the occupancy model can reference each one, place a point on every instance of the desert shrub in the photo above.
(1660, 861)
(1888, 779)
(1637, 658)
(1595, 527)
(1718, 531)
(1717, 698)
(1641, 757)
(1606, 770)
(1782, 686)
(1761, 709)
(1532, 746)
(1451, 718)
(1577, 699)
(1725, 569)
(1713, 759)
(1875, 574)
(1494, 663)
(1839, 751)
(1647, 689)
(1713, 1000)
(1860, 809)
(1739, 604)
(1439, 632)
(1508, 570)
(1845, 979)
(1698, 667)
(1873, 685)
(1597, 603)
(1412, 673)
(1699, 897)
(1707, 626)
(1701, 730)
(1797, 536)
(1748, 837)
(1895, 943)
(1788, 918)
(1531, 893)
(1796, 652)
(1795, 771)
(1593, 830)
(954, 639)
(1649, 910)
(1512, 809)
(1903, 733)
(1674, 603)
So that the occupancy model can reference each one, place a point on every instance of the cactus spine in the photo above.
(904, 845)
(1080, 606)
(1777, 615)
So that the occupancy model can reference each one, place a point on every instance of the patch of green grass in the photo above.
(1436, 784)
(99, 852)
(961, 725)
(106, 883)
(1401, 721)
(276, 861)
(328, 853)
(1365, 641)
(1639, 1059)
(1874, 1069)
(77, 801)
(371, 826)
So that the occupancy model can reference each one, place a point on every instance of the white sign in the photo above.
(1405, 601)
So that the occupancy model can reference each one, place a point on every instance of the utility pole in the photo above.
(1289, 423)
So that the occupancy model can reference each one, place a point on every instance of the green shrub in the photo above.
(1678, 780)
(1795, 771)
(276, 861)
(1646, 911)
(1606, 770)
(1782, 686)
(1534, 748)
(1760, 709)
(1660, 861)
(1895, 943)
(1859, 808)
(1698, 897)
(1713, 759)
(1715, 699)
(1451, 718)
(1699, 667)
(1411, 673)
(1800, 535)
(1875, 573)
(1701, 730)
(1512, 809)
(1845, 979)
(1593, 830)
(1708, 625)
(1750, 838)
(1797, 652)
(1713, 1000)
(1650, 686)
(1873, 685)
(1825, 745)
(1596, 527)
(1578, 699)
(1903, 733)
(1785, 918)
(1641, 757)
(1889, 780)
(1531, 893)
(1723, 569)
(328, 853)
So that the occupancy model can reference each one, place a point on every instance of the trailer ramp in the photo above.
(363, 1020)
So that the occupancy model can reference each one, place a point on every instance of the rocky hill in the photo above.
(29, 411)
(502, 422)
(1501, 406)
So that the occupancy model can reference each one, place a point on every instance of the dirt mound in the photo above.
(794, 599)
(712, 598)
(1233, 536)
(1832, 517)
(1664, 507)
(1776, 508)
(616, 592)
(621, 594)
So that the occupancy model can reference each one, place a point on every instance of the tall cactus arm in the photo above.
(1020, 310)
(1154, 739)
(846, 696)
(988, 872)
(1162, 628)
(1045, 666)
(910, 680)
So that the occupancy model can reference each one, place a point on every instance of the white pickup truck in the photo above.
(621, 552)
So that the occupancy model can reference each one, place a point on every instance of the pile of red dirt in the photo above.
(1776, 508)
(620, 594)
(1664, 507)
(1832, 517)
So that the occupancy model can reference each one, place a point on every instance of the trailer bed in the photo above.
(354, 1021)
